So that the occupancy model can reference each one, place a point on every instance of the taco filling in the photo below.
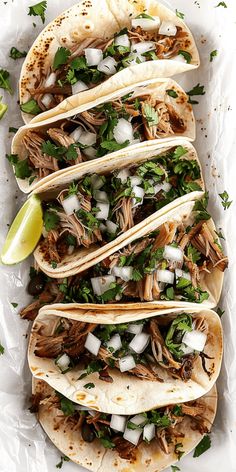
(99, 207)
(144, 349)
(94, 60)
(98, 131)
(164, 427)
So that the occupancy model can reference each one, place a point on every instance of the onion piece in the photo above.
(180, 58)
(122, 40)
(93, 56)
(81, 408)
(135, 180)
(139, 342)
(167, 28)
(87, 138)
(149, 431)
(107, 66)
(165, 186)
(97, 181)
(123, 175)
(173, 253)
(102, 284)
(63, 362)
(114, 343)
(165, 276)
(180, 273)
(126, 363)
(118, 423)
(103, 212)
(46, 99)
(101, 196)
(144, 46)
(78, 87)
(50, 80)
(76, 133)
(135, 328)
(139, 192)
(195, 339)
(132, 435)
(111, 227)
(123, 131)
(102, 227)
(147, 24)
(138, 419)
(125, 273)
(71, 204)
(92, 344)
(90, 152)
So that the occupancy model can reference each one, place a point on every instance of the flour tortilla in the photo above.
(156, 90)
(142, 395)
(101, 19)
(84, 258)
(95, 458)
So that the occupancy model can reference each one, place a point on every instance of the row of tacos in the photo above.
(125, 349)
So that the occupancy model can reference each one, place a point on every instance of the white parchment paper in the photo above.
(23, 446)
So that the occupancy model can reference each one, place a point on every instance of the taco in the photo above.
(150, 441)
(168, 261)
(134, 117)
(114, 44)
(149, 359)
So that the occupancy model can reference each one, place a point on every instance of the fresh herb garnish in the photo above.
(21, 168)
(144, 15)
(172, 93)
(203, 446)
(178, 452)
(16, 54)
(213, 54)
(187, 56)
(220, 312)
(89, 385)
(2, 349)
(30, 107)
(5, 81)
(193, 254)
(197, 90)
(200, 207)
(225, 200)
(66, 405)
(3, 108)
(94, 366)
(53, 264)
(221, 4)
(174, 468)
(61, 57)
(51, 220)
(150, 114)
(178, 327)
(179, 14)
(12, 129)
(112, 145)
(14, 304)
(38, 10)
(63, 459)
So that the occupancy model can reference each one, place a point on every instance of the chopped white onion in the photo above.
(149, 431)
(92, 344)
(180, 58)
(180, 273)
(96, 181)
(102, 284)
(135, 328)
(165, 276)
(78, 87)
(132, 435)
(87, 139)
(122, 40)
(125, 273)
(147, 24)
(123, 131)
(123, 175)
(134, 59)
(165, 186)
(118, 423)
(90, 152)
(139, 342)
(103, 212)
(138, 419)
(115, 342)
(195, 339)
(173, 253)
(186, 349)
(141, 48)
(101, 196)
(139, 192)
(126, 363)
(107, 66)
(167, 28)
(71, 204)
(51, 80)
(102, 227)
(93, 56)
(111, 227)
(80, 408)
(46, 99)
(75, 135)
(135, 180)
(63, 362)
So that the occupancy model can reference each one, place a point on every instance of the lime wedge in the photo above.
(24, 232)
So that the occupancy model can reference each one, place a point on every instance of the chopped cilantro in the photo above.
(14, 304)
(220, 312)
(179, 14)
(2, 349)
(144, 15)
(172, 93)
(30, 107)
(112, 145)
(213, 54)
(178, 452)
(193, 254)
(106, 442)
(220, 234)
(187, 56)
(5, 81)
(21, 168)
(110, 294)
(51, 220)
(203, 446)
(151, 114)
(178, 327)
(200, 207)
(225, 200)
(53, 264)
(16, 54)
(94, 366)
(63, 459)
(12, 130)
(174, 468)
(3, 108)
(196, 90)
(221, 4)
(61, 57)
(179, 152)
(38, 10)
(136, 275)
(89, 385)
(66, 405)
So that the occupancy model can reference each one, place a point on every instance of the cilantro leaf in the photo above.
(16, 54)
(220, 312)
(38, 10)
(203, 446)
(30, 107)
(3, 108)
(196, 90)
(172, 93)
(112, 145)
(179, 152)
(21, 168)
(150, 114)
(136, 275)
(187, 56)
(174, 468)
(61, 57)
(89, 385)
(213, 54)
(179, 14)
(14, 304)
(144, 15)
(110, 294)
(193, 254)
(178, 452)
(63, 459)
(66, 405)
(51, 220)
(2, 349)
(12, 129)
(225, 200)
(5, 81)
(221, 4)
(200, 207)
